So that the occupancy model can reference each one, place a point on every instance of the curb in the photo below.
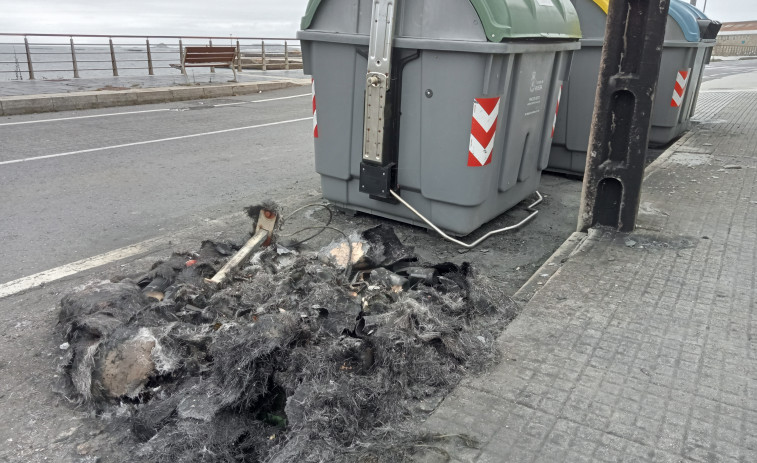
(549, 268)
(571, 245)
(32, 104)
(662, 159)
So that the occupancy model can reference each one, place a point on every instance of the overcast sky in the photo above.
(250, 18)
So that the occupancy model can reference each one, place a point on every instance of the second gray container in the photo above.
(684, 57)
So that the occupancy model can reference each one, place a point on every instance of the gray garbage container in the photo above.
(708, 33)
(464, 131)
(684, 56)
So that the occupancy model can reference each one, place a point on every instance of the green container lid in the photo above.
(511, 19)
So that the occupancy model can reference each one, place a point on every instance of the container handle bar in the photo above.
(530, 208)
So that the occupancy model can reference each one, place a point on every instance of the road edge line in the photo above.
(14, 287)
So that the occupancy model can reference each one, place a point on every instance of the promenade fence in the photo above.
(734, 50)
(62, 56)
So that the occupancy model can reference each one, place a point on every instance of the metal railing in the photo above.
(734, 50)
(59, 56)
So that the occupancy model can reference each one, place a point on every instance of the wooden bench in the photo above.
(209, 57)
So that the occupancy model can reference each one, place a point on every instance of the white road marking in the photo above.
(725, 90)
(262, 101)
(154, 244)
(147, 142)
(83, 117)
(39, 279)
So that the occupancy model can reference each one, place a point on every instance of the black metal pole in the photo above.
(620, 130)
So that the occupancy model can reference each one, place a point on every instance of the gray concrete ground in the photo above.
(641, 346)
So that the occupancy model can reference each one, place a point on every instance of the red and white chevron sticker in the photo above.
(315, 113)
(557, 109)
(682, 78)
(483, 129)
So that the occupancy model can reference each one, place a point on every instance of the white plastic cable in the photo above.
(530, 208)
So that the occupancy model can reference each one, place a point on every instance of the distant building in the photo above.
(737, 39)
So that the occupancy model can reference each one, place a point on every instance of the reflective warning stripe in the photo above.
(557, 109)
(483, 129)
(315, 114)
(682, 78)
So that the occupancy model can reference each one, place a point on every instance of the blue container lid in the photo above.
(686, 17)
(696, 11)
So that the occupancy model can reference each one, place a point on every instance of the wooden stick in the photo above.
(241, 255)
(265, 225)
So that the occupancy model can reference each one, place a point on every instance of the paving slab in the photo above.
(640, 347)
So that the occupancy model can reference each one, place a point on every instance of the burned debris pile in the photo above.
(300, 356)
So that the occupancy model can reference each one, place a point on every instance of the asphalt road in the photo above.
(89, 183)
(720, 69)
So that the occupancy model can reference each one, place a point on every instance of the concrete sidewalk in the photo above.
(37, 96)
(639, 347)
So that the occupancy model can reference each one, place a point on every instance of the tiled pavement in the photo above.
(641, 347)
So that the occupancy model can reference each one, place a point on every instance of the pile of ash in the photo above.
(302, 356)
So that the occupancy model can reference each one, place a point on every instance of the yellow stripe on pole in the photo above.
(604, 4)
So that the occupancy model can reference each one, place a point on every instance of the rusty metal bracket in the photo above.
(267, 223)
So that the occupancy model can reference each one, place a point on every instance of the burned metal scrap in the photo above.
(292, 359)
